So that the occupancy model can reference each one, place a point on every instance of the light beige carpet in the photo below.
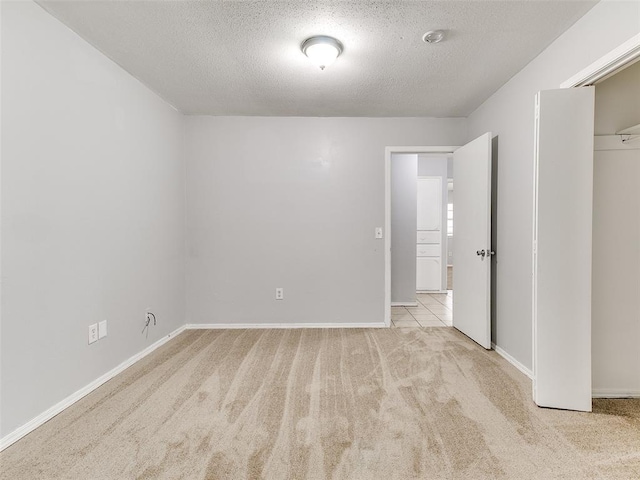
(326, 404)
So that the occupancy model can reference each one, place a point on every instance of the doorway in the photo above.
(409, 241)
(471, 301)
(419, 296)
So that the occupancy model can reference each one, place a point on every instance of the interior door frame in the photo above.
(388, 152)
(607, 65)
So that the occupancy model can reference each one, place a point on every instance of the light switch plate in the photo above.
(378, 232)
(102, 329)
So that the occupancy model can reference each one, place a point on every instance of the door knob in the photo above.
(480, 253)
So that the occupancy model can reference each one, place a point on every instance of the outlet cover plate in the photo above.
(93, 333)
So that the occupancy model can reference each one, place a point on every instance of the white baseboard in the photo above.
(512, 360)
(230, 326)
(47, 415)
(404, 304)
(615, 393)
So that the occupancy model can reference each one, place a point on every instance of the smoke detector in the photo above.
(433, 36)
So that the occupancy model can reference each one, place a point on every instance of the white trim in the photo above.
(388, 151)
(233, 326)
(48, 414)
(612, 61)
(613, 142)
(404, 304)
(534, 250)
(614, 393)
(512, 360)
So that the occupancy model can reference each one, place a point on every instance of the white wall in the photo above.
(92, 213)
(616, 241)
(509, 114)
(404, 206)
(616, 272)
(293, 203)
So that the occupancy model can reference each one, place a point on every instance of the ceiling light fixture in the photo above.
(322, 50)
(433, 36)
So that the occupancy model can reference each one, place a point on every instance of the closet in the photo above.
(615, 310)
(586, 242)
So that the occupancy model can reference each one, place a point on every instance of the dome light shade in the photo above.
(322, 50)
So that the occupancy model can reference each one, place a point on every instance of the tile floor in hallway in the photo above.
(433, 310)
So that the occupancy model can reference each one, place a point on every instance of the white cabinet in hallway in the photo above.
(429, 235)
(428, 275)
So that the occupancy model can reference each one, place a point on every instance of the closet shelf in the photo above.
(635, 130)
(629, 134)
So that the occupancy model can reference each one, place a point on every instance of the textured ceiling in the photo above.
(244, 58)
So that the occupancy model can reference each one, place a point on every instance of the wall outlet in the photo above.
(93, 333)
(279, 293)
(102, 329)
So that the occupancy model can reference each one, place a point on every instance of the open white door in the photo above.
(472, 240)
(563, 176)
